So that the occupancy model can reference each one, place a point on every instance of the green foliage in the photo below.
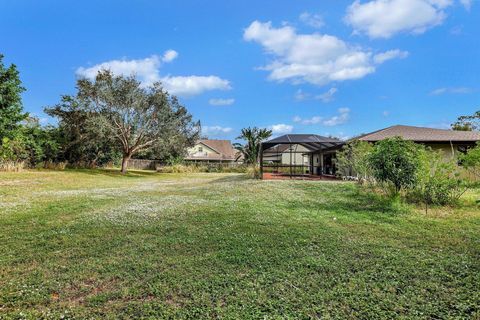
(182, 167)
(439, 181)
(12, 146)
(11, 111)
(85, 138)
(253, 138)
(139, 118)
(352, 160)
(396, 162)
(468, 123)
(471, 160)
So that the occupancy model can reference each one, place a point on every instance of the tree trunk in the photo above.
(125, 159)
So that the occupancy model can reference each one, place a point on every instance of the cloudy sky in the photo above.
(327, 67)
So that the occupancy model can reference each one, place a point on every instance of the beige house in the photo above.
(218, 151)
(449, 142)
(310, 154)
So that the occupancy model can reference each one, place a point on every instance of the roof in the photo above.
(224, 149)
(312, 142)
(421, 134)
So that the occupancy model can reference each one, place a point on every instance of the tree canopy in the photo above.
(121, 110)
(396, 161)
(468, 123)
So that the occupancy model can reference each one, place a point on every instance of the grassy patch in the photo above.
(98, 244)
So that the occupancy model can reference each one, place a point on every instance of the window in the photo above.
(200, 149)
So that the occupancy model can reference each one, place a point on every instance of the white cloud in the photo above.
(186, 86)
(169, 55)
(451, 90)
(281, 128)
(221, 102)
(327, 96)
(384, 18)
(147, 72)
(313, 58)
(388, 55)
(312, 120)
(300, 95)
(215, 130)
(466, 3)
(342, 117)
(297, 119)
(385, 113)
(312, 20)
(344, 114)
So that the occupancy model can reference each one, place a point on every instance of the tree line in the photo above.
(110, 119)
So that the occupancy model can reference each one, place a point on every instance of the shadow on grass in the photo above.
(350, 201)
(115, 172)
(234, 177)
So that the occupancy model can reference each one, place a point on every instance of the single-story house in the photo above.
(310, 154)
(215, 151)
(449, 142)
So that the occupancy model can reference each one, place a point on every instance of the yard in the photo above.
(102, 245)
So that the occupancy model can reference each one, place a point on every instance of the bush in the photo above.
(395, 162)
(200, 167)
(471, 161)
(439, 180)
(352, 161)
(253, 171)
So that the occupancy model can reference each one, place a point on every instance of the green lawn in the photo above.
(100, 245)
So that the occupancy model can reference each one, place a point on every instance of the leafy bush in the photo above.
(395, 162)
(439, 181)
(352, 160)
(471, 161)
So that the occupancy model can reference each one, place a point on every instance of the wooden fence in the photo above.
(142, 164)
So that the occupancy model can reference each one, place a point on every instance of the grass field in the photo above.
(97, 244)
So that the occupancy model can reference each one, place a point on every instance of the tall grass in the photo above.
(11, 166)
(202, 168)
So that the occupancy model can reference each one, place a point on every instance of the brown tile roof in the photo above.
(225, 150)
(421, 134)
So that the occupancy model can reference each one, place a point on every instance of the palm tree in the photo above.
(253, 137)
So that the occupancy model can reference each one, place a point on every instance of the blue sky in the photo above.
(328, 67)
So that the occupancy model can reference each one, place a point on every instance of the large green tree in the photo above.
(84, 138)
(253, 137)
(140, 118)
(11, 112)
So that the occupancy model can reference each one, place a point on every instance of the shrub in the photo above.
(471, 161)
(352, 160)
(253, 171)
(200, 167)
(439, 180)
(395, 162)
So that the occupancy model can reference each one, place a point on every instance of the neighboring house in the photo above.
(314, 154)
(449, 142)
(219, 151)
